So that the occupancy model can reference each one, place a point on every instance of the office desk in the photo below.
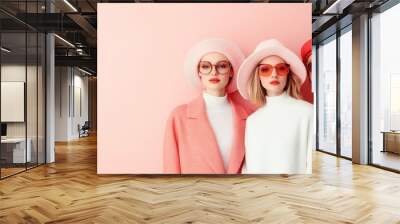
(391, 141)
(13, 150)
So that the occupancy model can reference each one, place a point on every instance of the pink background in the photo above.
(141, 49)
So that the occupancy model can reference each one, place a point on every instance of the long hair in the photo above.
(258, 93)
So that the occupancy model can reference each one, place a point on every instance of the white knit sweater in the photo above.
(220, 115)
(279, 137)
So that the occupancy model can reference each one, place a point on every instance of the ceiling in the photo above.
(76, 22)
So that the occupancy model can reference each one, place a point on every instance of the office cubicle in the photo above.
(22, 77)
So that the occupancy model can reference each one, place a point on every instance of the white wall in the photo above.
(62, 81)
(70, 84)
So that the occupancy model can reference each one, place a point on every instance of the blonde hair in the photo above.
(258, 93)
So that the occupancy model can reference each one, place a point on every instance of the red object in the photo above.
(306, 92)
(214, 80)
(275, 82)
(306, 88)
(306, 51)
(282, 69)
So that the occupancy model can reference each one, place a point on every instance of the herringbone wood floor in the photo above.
(69, 191)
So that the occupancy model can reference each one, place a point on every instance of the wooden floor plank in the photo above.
(70, 191)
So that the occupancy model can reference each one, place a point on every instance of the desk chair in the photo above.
(84, 130)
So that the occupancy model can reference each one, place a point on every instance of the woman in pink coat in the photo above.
(206, 135)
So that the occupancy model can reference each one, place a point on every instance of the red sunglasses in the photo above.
(282, 69)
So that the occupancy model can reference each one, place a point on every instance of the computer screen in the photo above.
(3, 129)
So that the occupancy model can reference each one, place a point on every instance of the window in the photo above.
(22, 77)
(395, 102)
(327, 96)
(346, 93)
(385, 89)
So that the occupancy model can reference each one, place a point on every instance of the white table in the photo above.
(19, 155)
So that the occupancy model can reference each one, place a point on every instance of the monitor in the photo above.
(3, 129)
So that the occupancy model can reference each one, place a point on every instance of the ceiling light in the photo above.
(338, 6)
(70, 5)
(84, 71)
(64, 40)
(5, 50)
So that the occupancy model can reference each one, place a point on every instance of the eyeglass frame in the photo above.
(214, 66)
(273, 67)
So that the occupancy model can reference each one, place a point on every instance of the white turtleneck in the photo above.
(219, 112)
(279, 137)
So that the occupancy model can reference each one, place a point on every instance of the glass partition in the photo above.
(41, 108)
(31, 100)
(22, 78)
(327, 95)
(13, 104)
(385, 89)
(346, 93)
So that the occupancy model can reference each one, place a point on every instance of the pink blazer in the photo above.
(190, 146)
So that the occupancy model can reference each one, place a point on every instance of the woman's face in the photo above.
(274, 78)
(215, 71)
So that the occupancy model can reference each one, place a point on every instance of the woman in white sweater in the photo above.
(278, 136)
